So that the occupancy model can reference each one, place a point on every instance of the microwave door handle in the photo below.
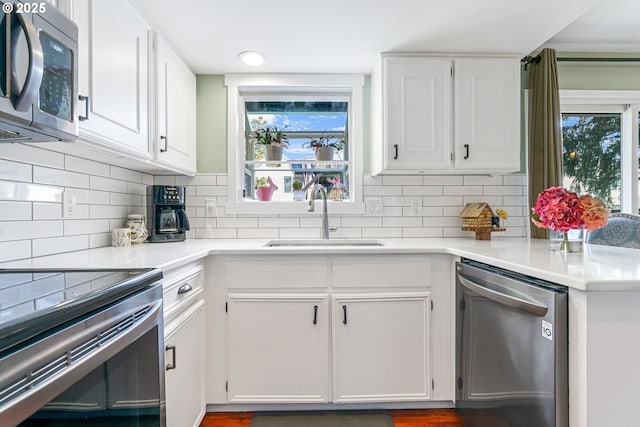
(504, 299)
(23, 100)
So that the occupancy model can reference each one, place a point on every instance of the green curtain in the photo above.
(544, 130)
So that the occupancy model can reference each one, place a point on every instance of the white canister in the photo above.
(121, 237)
(139, 232)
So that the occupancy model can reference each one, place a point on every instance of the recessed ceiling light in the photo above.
(252, 58)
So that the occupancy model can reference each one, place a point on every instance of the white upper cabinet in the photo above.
(175, 138)
(113, 72)
(417, 123)
(444, 114)
(487, 114)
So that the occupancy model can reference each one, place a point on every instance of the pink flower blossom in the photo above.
(562, 210)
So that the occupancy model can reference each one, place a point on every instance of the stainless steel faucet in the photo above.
(325, 217)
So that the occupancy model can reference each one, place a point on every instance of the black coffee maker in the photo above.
(165, 210)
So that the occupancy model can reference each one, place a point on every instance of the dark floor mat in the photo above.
(322, 419)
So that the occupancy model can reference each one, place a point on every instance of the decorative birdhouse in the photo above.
(478, 217)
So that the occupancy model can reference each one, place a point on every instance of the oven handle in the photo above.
(21, 407)
(23, 100)
(504, 299)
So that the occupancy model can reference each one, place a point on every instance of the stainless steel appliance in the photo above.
(166, 213)
(81, 348)
(38, 74)
(511, 348)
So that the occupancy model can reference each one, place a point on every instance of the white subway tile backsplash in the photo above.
(125, 174)
(29, 192)
(15, 250)
(22, 230)
(462, 190)
(89, 167)
(401, 180)
(32, 181)
(42, 175)
(107, 184)
(15, 211)
(15, 171)
(32, 154)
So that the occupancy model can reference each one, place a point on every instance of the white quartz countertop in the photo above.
(599, 268)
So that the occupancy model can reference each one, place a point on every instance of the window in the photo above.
(305, 108)
(600, 146)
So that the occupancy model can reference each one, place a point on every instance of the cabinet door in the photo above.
(487, 114)
(381, 347)
(113, 73)
(278, 348)
(417, 111)
(184, 383)
(175, 141)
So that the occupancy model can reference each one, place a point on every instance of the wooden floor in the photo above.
(401, 418)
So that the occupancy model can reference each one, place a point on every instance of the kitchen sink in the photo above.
(322, 242)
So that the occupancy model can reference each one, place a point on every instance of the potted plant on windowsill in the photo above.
(298, 194)
(265, 188)
(325, 146)
(272, 139)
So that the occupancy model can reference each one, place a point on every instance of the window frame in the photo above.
(242, 86)
(627, 103)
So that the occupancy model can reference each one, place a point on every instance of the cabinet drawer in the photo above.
(178, 286)
(275, 271)
(389, 271)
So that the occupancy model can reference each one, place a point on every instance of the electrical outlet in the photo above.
(69, 204)
(416, 206)
(210, 210)
(373, 207)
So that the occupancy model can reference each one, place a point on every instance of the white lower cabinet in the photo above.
(278, 348)
(381, 347)
(342, 329)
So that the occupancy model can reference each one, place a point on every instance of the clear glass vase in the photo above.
(571, 241)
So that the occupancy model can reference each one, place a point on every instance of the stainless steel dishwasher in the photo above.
(511, 348)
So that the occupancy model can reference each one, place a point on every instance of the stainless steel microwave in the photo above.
(38, 73)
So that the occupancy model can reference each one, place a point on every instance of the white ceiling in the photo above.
(610, 26)
(347, 35)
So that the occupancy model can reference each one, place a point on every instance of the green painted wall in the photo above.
(599, 75)
(211, 116)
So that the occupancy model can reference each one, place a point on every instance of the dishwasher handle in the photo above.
(505, 299)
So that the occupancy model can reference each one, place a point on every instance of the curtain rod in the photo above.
(579, 59)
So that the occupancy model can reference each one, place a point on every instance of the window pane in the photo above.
(591, 155)
(301, 121)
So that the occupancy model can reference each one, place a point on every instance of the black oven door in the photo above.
(103, 369)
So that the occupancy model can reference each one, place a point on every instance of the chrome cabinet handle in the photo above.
(184, 289)
(315, 314)
(86, 107)
(504, 299)
(23, 100)
(166, 141)
(171, 365)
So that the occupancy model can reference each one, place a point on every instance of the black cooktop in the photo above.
(35, 301)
